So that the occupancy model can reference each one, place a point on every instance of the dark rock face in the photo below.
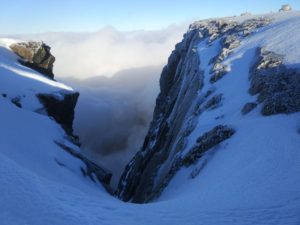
(61, 108)
(35, 55)
(278, 87)
(179, 83)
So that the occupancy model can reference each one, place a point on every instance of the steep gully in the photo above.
(179, 104)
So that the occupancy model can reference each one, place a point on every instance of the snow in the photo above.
(259, 166)
(20, 81)
(252, 178)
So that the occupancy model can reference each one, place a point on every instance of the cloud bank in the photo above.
(117, 75)
(108, 51)
(113, 114)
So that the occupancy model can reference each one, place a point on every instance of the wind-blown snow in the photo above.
(253, 178)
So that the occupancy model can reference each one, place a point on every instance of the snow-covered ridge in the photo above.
(38, 149)
(224, 78)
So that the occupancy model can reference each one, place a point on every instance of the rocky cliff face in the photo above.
(191, 85)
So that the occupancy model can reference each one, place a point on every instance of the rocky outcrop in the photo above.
(180, 81)
(92, 170)
(35, 55)
(248, 107)
(230, 41)
(178, 107)
(214, 102)
(277, 87)
(57, 102)
(61, 107)
(206, 141)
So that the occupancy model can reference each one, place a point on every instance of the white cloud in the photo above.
(108, 51)
(112, 114)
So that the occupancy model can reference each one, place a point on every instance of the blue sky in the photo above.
(35, 16)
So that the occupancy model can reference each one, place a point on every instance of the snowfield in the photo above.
(252, 178)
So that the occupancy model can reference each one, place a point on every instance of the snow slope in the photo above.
(253, 178)
(259, 166)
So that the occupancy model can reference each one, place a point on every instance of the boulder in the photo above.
(35, 55)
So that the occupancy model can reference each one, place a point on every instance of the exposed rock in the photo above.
(232, 41)
(248, 107)
(205, 142)
(214, 102)
(285, 8)
(278, 87)
(219, 73)
(213, 29)
(229, 43)
(91, 170)
(180, 82)
(178, 106)
(249, 26)
(17, 101)
(35, 55)
(61, 107)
